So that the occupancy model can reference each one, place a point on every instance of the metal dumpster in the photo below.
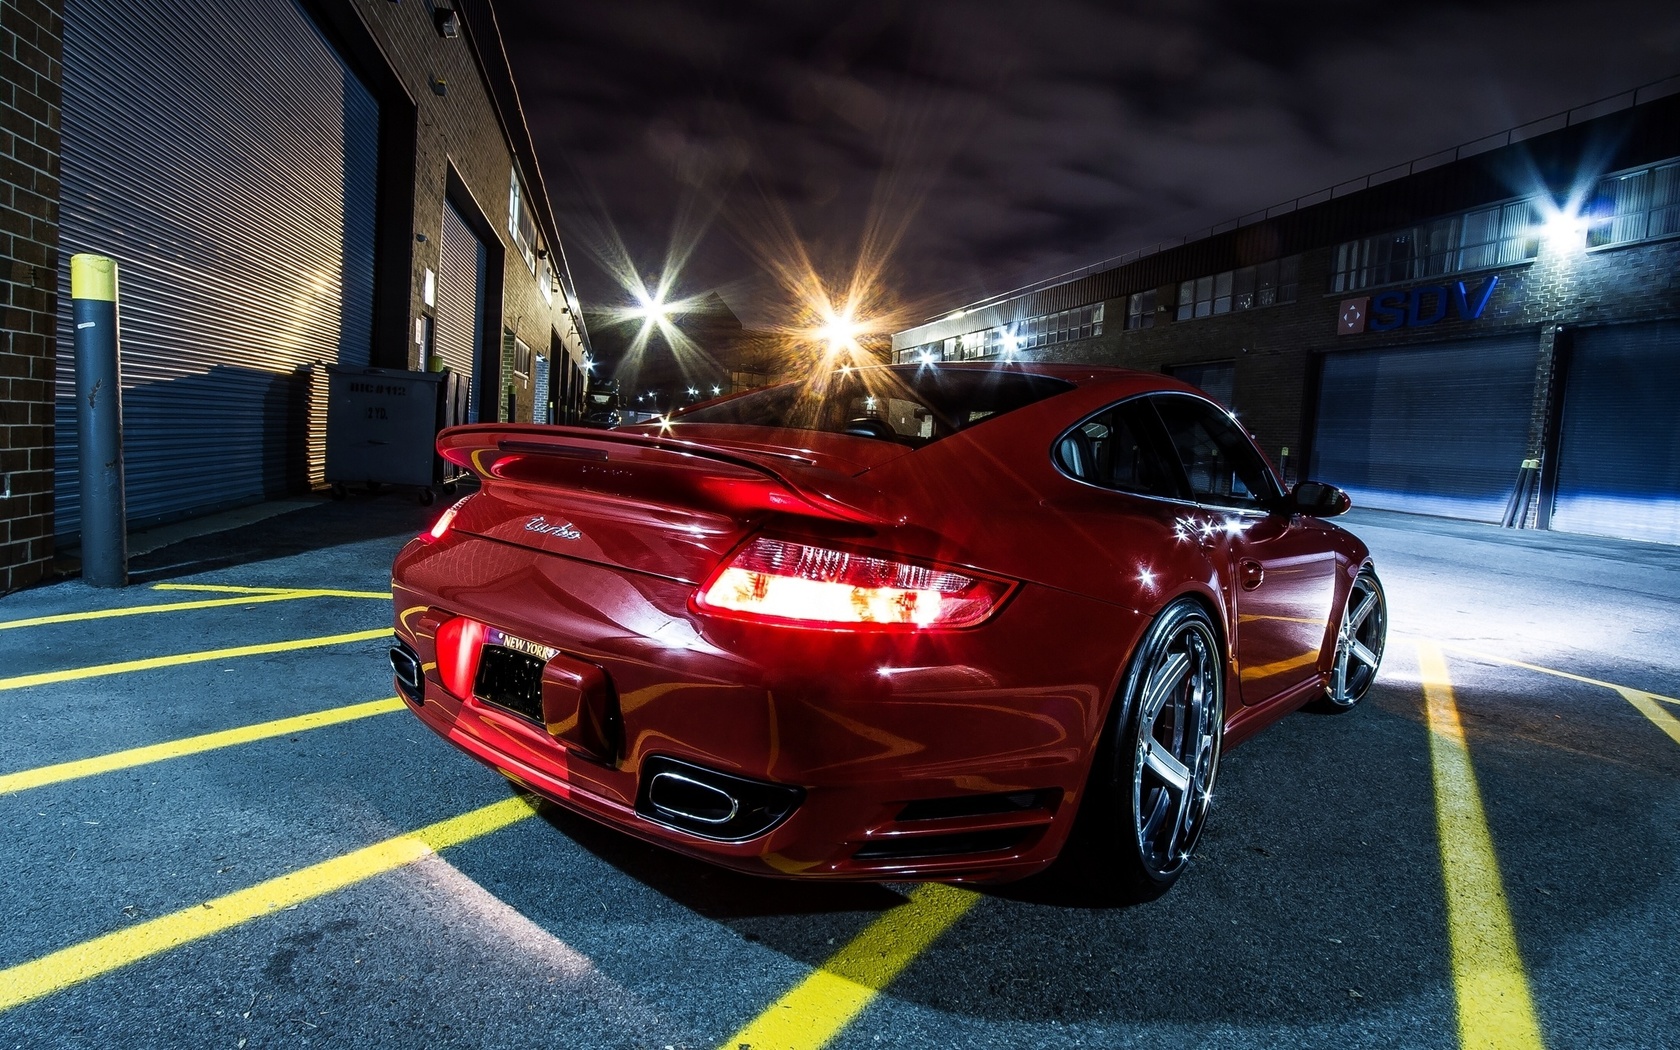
(382, 426)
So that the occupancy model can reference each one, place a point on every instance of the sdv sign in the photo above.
(1414, 308)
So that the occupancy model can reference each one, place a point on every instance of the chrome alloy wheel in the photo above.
(1179, 724)
(1359, 642)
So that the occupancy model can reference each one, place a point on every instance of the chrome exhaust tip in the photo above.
(405, 665)
(712, 804)
(681, 797)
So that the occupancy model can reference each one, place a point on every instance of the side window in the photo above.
(1114, 450)
(1221, 463)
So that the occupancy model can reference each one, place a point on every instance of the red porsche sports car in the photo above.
(892, 623)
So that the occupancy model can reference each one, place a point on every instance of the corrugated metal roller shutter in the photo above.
(1431, 430)
(226, 157)
(1619, 449)
(460, 304)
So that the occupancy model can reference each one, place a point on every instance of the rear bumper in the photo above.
(934, 756)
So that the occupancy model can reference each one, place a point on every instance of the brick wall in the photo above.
(459, 136)
(1275, 349)
(31, 33)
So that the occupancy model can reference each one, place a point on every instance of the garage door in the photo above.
(1618, 471)
(460, 308)
(226, 157)
(1439, 430)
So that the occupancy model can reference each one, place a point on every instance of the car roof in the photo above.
(1077, 374)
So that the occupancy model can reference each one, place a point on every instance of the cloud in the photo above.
(989, 143)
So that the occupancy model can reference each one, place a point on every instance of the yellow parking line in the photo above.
(308, 592)
(1644, 701)
(29, 981)
(48, 677)
(1494, 1006)
(1646, 704)
(1479, 655)
(41, 776)
(160, 607)
(218, 588)
(817, 1009)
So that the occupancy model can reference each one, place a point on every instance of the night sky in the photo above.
(963, 149)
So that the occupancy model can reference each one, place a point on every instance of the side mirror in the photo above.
(1319, 500)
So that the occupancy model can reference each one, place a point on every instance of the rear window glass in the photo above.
(912, 405)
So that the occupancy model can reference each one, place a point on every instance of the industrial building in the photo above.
(285, 185)
(1489, 333)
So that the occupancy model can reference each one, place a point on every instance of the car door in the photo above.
(1120, 541)
(1279, 574)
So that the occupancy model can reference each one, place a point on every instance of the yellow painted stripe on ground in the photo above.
(162, 607)
(101, 955)
(48, 677)
(1490, 658)
(321, 592)
(817, 1009)
(1648, 706)
(218, 588)
(41, 776)
(1495, 1010)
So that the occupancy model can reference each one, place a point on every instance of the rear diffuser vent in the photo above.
(979, 805)
(946, 845)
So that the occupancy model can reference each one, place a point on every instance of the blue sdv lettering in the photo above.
(1425, 305)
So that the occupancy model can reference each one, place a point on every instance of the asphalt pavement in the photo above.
(220, 830)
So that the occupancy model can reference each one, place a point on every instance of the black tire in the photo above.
(426, 497)
(1359, 644)
(1153, 781)
(339, 491)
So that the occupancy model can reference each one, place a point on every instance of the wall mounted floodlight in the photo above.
(1565, 231)
(448, 22)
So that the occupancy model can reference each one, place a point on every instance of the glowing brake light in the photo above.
(459, 643)
(445, 520)
(797, 583)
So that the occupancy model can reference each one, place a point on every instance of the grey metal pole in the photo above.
(93, 297)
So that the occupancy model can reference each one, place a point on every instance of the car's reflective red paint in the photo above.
(865, 722)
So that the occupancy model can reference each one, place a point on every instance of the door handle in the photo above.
(1253, 574)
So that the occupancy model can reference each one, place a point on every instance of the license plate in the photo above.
(511, 680)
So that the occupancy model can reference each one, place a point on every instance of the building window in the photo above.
(979, 344)
(1476, 240)
(1216, 379)
(1140, 310)
(545, 280)
(521, 226)
(919, 355)
(1249, 288)
(1084, 322)
(1635, 206)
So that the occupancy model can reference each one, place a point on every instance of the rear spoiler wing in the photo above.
(661, 469)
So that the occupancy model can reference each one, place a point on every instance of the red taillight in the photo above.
(797, 583)
(459, 641)
(445, 520)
